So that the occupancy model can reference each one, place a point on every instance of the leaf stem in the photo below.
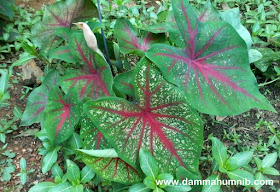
(104, 39)
(267, 83)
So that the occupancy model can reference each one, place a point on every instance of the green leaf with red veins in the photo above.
(92, 137)
(162, 122)
(61, 115)
(94, 79)
(124, 83)
(113, 169)
(212, 69)
(60, 14)
(130, 40)
(37, 100)
(208, 13)
(63, 53)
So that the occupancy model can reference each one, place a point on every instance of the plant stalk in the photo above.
(267, 83)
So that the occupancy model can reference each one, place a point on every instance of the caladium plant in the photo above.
(37, 100)
(60, 14)
(213, 67)
(111, 168)
(94, 79)
(131, 42)
(162, 122)
(62, 114)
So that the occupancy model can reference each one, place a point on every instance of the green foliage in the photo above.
(132, 120)
(154, 180)
(73, 180)
(6, 164)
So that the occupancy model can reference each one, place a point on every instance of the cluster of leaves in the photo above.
(6, 164)
(73, 180)
(237, 166)
(152, 107)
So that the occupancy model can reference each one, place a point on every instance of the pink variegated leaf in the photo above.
(123, 83)
(94, 78)
(63, 53)
(161, 122)
(113, 169)
(37, 100)
(60, 14)
(212, 68)
(62, 114)
(131, 41)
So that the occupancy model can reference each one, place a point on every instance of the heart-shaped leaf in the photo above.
(60, 14)
(213, 67)
(124, 83)
(161, 123)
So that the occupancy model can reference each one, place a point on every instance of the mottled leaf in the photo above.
(124, 83)
(162, 122)
(60, 14)
(94, 79)
(113, 169)
(131, 42)
(213, 67)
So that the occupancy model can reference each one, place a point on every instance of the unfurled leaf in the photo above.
(77, 188)
(87, 174)
(259, 176)
(49, 160)
(139, 187)
(130, 40)
(177, 188)
(100, 153)
(219, 151)
(3, 82)
(60, 14)
(73, 171)
(124, 83)
(94, 79)
(42, 187)
(269, 160)
(57, 171)
(62, 114)
(112, 169)
(37, 100)
(62, 187)
(150, 182)
(22, 163)
(242, 175)
(239, 160)
(212, 188)
(161, 123)
(270, 171)
(165, 177)
(254, 55)
(148, 164)
(212, 68)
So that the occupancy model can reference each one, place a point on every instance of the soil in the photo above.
(27, 146)
(35, 4)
